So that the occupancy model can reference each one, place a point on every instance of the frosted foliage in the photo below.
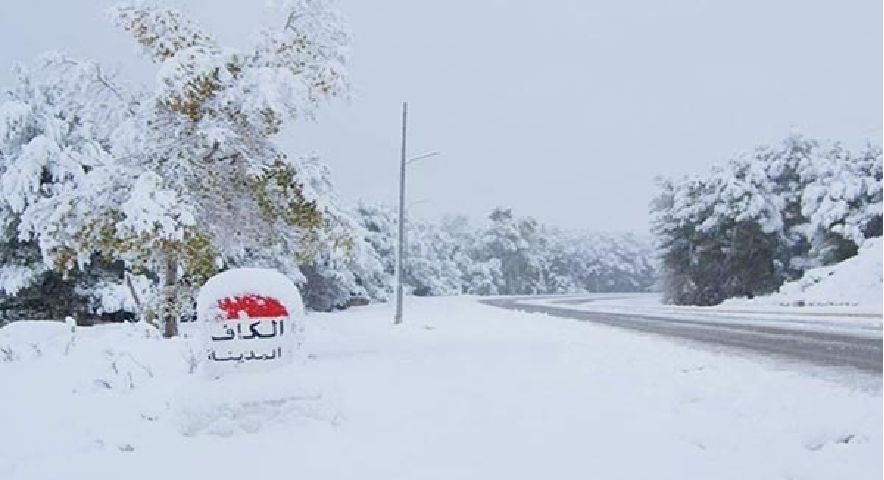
(186, 170)
(150, 207)
(508, 256)
(725, 198)
(312, 48)
(55, 125)
(519, 245)
(765, 217)
(581, 262)
(377, 245)
(16, 277)
(845, 196)
(162, 32)
(430, 267)
(222, 107)
(109, 296)
(346, 264)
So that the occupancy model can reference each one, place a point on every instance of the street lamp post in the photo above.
(400, 239)
(399, 250)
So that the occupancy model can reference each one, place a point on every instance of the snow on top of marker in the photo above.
(241, 282)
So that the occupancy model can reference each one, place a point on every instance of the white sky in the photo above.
(564, 110)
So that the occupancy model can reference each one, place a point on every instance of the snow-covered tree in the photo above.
(344, 263)
(517, 244)
(479, 274)
(597, 262)
(764, 218)
(378, 224)
(182, 178)
(842, 204)
(429, 266)
(218, 184)
(55, 130)
(55, 124)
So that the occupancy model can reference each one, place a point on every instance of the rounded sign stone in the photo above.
(250, 321)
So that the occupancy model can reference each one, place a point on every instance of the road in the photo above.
(816, 347)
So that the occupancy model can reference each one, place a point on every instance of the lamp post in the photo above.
(400, 239)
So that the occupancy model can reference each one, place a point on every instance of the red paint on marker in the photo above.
(251, 306)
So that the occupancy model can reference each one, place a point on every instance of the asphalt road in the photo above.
(815, 347)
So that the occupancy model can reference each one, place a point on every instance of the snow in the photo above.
(461, 390)
(111, 296)
(14, 278)
(24, 335)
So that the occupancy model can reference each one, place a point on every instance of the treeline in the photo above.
(765, 218)
(508, 256)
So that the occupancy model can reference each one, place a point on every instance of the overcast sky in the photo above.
(563, 110)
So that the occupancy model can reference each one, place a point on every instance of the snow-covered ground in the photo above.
(845, 320)
(460, 391)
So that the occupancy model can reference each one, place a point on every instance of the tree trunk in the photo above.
(170, 296)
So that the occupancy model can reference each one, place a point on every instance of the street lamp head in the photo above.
(421, 157)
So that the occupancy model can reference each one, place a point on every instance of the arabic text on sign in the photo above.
(242, 357)
(254, 330)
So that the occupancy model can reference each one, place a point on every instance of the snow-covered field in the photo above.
(460, 391)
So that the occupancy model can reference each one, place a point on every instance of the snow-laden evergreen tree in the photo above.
(437, 257)
(479, 274)
(842, 204)
(517, 243)
(720, 236)
(379, 224)
(430, 267)
(567, 263)
(764, 218)
(581, 262)
(789, 166)
(433, 260)
(615, 262)
(378, 230)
